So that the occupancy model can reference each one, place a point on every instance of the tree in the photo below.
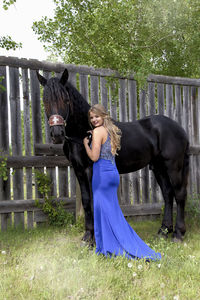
(7, 42)
(140, 36)
(7, 3)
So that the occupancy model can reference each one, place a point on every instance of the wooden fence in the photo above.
(25, 139)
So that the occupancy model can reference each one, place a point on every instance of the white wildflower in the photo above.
(130, 265)
(134, 274)
(140, 267)
(41, 268)
(3, 252)
(176, 297)
(32, 277)
(185, 244)
(162, 285)
(159, 265)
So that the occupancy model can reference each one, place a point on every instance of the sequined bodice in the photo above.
(105, 152)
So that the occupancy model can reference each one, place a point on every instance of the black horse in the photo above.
(155, 140)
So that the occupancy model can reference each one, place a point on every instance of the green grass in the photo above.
(52, 263)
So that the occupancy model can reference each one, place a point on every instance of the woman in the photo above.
(113, 235)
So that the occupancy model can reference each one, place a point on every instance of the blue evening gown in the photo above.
(113, 235)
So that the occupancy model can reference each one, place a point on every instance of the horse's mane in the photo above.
(54, 95)
(60, 98)
(80, 107)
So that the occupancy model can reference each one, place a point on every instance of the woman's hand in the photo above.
(90, 131)
(86, 141)
(97, 136)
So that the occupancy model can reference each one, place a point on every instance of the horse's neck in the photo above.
(77, 125)
(78, 121)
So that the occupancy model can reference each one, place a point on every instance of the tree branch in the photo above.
(157, 42)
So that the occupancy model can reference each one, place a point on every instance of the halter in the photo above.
(55, 120)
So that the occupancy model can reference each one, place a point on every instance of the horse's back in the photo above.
(145, 139)
(138, 145)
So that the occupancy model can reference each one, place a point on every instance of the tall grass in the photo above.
(52, 263)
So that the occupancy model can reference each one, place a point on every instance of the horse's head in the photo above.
(57, 104)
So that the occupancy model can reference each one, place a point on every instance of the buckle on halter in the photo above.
(55, 120)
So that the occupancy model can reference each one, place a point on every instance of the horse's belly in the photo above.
(131, 163)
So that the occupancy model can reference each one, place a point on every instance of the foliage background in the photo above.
(7, 42)
(131, 36)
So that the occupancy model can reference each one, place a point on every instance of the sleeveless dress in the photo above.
(113, 235)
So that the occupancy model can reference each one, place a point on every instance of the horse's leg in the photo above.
(76, 155)
(85, 178)
(168, 195)
(178, 177)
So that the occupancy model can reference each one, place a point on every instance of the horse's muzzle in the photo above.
(57, 134)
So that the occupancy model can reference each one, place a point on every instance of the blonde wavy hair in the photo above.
(113, 130)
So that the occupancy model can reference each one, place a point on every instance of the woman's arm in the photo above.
(97, 138)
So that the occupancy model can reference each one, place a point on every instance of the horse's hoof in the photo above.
(162, 236)
(163, 233)
(88, 237)
(83, 243)
(176, 240)
(91, 245)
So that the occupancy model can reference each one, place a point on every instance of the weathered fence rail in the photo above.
(18, 162)
(29, 205)
(25, 138)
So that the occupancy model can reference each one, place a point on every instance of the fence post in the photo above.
(4, 145)
(16, 139)
(145, 171)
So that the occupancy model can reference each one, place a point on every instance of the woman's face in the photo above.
(95, 120)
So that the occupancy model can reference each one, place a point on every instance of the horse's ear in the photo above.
(41, 79)
(64, 77)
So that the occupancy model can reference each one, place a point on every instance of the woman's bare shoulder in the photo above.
(100, 129)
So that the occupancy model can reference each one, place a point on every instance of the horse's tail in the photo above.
(186, 163)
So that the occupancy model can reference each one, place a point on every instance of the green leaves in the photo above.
(43, 182)
(7, 43)
(2, 87)
(3, 168)
(7, 3)
(130, 36)
(55, 211)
